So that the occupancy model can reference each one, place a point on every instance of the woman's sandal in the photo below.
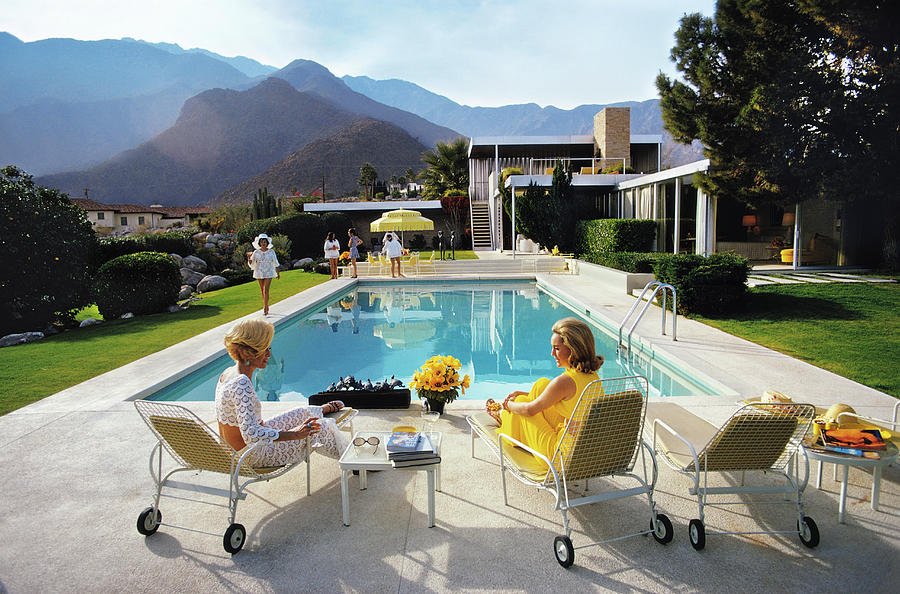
(493, 409)
(332, 407)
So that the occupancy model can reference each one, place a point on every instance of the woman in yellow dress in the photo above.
(537, 418)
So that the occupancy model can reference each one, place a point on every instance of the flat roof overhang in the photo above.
(372, 205)
(579, 146)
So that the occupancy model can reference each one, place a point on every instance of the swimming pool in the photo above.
(500, 331)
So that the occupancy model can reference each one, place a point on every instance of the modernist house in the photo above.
(117, 219)
(815, 233)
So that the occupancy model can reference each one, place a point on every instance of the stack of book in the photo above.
(411, 449)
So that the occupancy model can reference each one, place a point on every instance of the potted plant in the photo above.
(438, 381)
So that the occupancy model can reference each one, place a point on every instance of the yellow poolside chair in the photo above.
(759, 437)
(602, 439)
(195, 447)
(410, 263)
(427, 264)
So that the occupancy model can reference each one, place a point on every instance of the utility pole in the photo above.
(323, 182)
(86, 193)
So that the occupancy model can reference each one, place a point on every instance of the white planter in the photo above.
(619, 279)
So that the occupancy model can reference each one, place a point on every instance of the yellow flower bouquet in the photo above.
(438, 379)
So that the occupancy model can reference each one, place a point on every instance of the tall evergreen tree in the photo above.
(793, 99)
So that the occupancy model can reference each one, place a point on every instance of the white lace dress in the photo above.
(237, 405)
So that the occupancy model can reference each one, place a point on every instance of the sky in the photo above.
(478, 53)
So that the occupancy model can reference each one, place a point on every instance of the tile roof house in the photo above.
(117, 219)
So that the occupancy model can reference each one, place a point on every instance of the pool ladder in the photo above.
(657, 287)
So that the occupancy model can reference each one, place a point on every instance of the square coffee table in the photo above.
(365, 458)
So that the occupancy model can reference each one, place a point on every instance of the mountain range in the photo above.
(151, 122)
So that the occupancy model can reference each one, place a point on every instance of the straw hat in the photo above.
(259, 237)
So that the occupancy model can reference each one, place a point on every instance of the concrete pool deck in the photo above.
(76, 478)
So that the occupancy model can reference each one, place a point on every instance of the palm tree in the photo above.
(448, 168)
(367, 178)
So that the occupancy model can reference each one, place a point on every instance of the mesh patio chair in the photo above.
(602, 439)
(759, 437)
(195, 447)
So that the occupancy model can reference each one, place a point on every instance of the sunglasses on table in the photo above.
(361, 441)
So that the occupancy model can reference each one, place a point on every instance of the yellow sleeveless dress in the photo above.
(543, 430)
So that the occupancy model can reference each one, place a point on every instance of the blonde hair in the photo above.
(577, 335)
(249, 338)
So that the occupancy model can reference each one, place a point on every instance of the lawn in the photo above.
(852, 329)
(45, 367)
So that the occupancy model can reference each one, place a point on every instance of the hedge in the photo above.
(603, 236)
(141, 283)
(705, 284)
(305, 230)
(167, 243)
(627, 261)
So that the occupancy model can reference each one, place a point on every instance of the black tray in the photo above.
(362, 399)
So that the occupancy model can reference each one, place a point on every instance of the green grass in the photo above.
(850, 329)
(35, 370)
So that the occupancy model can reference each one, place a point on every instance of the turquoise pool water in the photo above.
(499, 331)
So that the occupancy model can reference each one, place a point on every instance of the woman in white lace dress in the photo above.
(238, 409)
(264, 264)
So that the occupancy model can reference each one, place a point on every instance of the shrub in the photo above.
(627, 261)
(214, 262)
(237, 277)
(305, 230)
(602, 236)
(141, 283)
(705, 285)
(47, 248)
(417, 242)
(168, 243)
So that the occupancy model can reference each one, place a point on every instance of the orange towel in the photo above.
(865, 439)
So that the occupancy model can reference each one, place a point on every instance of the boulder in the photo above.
(323, 268)
(89, 322)
(302, 263)
(198, 237)
(185, 292)
(194, 263)
(214, 238)
(126, 316)
(191, 277)
(211, 283)
(21, 338)
(177, 259)
(173, 308)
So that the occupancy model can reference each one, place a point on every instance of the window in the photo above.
(101, 216)
(140, 220)
(123, 221)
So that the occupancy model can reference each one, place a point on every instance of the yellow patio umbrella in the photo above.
(401, 220)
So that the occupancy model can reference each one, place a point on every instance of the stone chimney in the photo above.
(612, 134)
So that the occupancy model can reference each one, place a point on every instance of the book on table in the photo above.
(409, 446)
(407, 462)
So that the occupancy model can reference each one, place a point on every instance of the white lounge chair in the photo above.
(758, 437)
(195, 447)
(602, 439)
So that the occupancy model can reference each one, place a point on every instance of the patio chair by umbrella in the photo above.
(401, 220)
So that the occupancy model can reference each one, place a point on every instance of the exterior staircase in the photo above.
(481, 226)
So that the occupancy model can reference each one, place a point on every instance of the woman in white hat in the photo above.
(264, 264)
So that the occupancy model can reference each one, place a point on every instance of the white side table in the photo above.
(846, 461)
(368, 457)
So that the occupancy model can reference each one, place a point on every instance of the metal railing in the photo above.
(657, 286)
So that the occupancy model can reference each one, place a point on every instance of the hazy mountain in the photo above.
(68, 70)
(67, 104)
(310, 76)
(513, 120)
(337, 159)
(221, 138)
(248, 66)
